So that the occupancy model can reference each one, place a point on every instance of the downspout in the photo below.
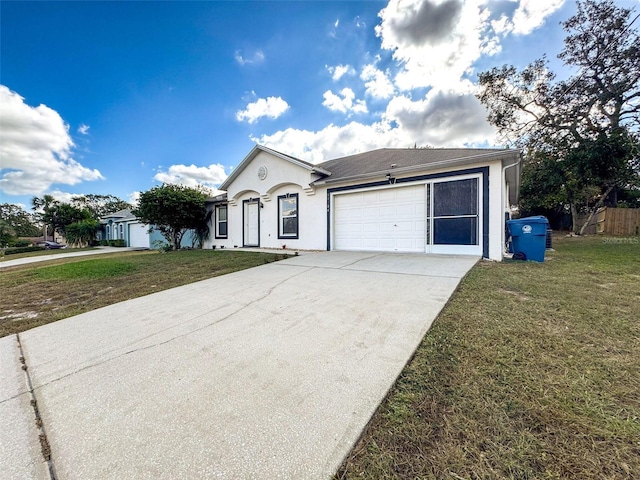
(504, 179)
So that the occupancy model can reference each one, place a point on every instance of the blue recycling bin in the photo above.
(529, 237)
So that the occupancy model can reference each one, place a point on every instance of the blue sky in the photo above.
(117, 97)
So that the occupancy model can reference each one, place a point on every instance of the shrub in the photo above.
(19, 243)
(12, 251)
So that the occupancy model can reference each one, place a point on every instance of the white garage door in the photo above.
(138, 236)
(390, 220)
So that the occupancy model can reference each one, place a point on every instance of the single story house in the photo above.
(123, 225)
(447, 201)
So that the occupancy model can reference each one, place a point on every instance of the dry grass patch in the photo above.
(532, 371)
(38, 293)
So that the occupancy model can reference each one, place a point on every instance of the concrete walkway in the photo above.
(7, 262)
(271, 372)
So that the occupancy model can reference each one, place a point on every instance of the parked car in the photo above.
(50, 245)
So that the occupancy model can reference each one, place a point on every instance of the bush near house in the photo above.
(113, 243)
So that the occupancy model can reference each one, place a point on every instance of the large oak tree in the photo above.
(580, 135)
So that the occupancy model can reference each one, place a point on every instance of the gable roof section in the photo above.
(406, 160)
(259, 148)
(398, 161)
(120, 214)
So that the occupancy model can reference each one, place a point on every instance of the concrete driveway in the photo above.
(271, 372)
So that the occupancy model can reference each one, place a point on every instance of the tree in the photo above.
(580, 135)
(7, 233)
(82, 233)
(41, 206)
(60, 215)
(22, 222)
(100, 205)
(173, 209)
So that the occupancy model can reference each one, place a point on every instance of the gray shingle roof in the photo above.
(398, 159)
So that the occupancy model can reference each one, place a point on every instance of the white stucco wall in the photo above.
(496, 211)
(282, 177)
(285, 177)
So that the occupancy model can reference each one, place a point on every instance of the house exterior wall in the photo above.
(492, 204)
(282, 177)
(315, 221)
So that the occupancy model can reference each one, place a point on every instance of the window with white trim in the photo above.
(221, 221)
(288, 216)
(121, 231)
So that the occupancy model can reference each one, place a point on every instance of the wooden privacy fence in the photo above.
(618, 221)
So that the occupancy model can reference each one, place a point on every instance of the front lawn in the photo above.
(43, 252)
(39, 293)
(532, 371)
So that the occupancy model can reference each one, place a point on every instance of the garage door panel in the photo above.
(391, 219)
(138, 235)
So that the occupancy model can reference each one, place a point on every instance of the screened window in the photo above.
(288, 216)
(221, 221)
(455, 212)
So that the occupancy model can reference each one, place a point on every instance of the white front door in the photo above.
(251, 224)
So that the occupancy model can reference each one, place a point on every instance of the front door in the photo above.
(251, 223)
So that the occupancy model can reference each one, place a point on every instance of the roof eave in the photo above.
(429, 166)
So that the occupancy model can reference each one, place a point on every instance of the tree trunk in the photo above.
(574, 217)
(595, 209)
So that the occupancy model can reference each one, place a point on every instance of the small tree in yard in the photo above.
(173, 209)
(82, 233)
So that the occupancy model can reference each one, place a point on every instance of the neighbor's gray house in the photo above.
(439, 201)
(123, 225)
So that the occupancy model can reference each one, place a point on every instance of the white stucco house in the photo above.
(448, 201)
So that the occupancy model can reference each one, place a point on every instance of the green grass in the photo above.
(40, 293)
(532, 371)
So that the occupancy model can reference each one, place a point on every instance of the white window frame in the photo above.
(281, 217)
(218, 222)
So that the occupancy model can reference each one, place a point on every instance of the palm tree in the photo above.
(44, 204)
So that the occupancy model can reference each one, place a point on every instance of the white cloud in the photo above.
(35, 148)
(531, 14)
(64, 197)
(377, 82)
(83, 129)
(344, 102)
(271, 107)
(444, 118)
(339, 71)
(193, 176)
(133, 198)
(255, 57)
(436, 42)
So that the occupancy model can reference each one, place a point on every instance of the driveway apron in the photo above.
(271, 372)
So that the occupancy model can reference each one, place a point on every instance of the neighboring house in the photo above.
(123, 225)
(448, 201)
